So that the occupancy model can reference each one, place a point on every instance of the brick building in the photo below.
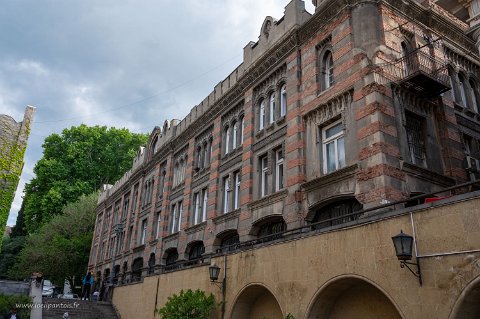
(333, 121)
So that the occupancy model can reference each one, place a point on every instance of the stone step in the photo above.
(77, 309)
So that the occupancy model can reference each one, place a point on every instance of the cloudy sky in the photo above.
(127, 63)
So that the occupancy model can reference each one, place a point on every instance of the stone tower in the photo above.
(13, 142)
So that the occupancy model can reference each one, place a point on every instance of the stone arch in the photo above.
(352, 296)
(255, 301)
(467, 305)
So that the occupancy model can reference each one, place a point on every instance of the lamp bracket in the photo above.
(219, 284)
(416, 273)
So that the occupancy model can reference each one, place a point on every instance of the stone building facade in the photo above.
(334, 123)
(13, 142)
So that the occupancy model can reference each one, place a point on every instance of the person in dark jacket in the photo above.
(13, 314)
(87, 285)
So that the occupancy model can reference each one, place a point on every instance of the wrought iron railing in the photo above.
(336, 222)
(411, 64)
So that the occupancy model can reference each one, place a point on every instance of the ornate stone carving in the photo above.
(331, 109)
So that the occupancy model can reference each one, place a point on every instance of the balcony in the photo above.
(418, 72)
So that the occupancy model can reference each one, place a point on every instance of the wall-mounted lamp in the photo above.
(403, 248)
(214, 272)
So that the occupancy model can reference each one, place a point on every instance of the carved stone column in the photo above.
(473, 7)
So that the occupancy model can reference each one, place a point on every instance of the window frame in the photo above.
(263, 175)
(283, 100)
(334, 138)
(279, 169)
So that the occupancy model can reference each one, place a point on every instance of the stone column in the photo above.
(473, 7)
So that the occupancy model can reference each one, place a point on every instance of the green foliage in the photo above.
(289, 316)
(7, 302)
(75, 163)
(60, 248)
(10, 249)
(19, 229)
(188, 305)
(12, 152)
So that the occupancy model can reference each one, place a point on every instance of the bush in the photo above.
(7, 302)
(188, 305)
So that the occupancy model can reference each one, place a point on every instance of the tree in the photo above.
(10, 249)
(60, 248)
(77, 162)
(188, 305)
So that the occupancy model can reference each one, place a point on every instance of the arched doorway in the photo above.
(352, 298)
(468, 305)
(256, 302)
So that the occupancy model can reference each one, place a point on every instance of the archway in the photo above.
(352, 298)
(256, 302)
(468, 305)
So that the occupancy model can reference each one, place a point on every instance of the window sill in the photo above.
(195, 228)
(227, 216)
(268, 199)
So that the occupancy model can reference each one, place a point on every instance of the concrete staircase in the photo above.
(77, 309)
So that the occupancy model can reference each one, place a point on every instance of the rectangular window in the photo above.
(226, 191)
(157, 228)
(236, 197)
(333, 147)
(126, 205)
(143, 233)
(135, 199)
(174, 219)
(196, 208)
(283, 100)
(180, 212)
(130, 235)
(99, 223)
(205, 204)
(416, 139)
(278, 170)
(263, 176)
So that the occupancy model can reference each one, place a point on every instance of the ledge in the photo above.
(330, 178)
(195, 228)
(427, 174)
(226, 217)
(170, 238)
(268, 200)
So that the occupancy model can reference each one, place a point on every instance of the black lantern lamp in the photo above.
(403, 244)
(214, 271)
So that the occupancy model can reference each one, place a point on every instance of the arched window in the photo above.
(463, 90)
(151, 264)
(272, 108)
(283, 100)
(337, 213)
(327, 69)
(153, 146)
(172, 257)
(199, 157)
(271, 229)
(453, 84)
(261, 118)
(196, 251)
(227, 139)
(206, 159)
(137, 269)
(235, 135)
(473, 95)
(230, 242)
(242, 127)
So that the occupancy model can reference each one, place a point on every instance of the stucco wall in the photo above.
(330, 265)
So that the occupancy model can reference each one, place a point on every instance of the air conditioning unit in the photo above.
(473, 164)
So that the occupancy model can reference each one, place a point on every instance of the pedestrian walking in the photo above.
(87, 284)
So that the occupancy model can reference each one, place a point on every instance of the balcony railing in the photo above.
(416, 71)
